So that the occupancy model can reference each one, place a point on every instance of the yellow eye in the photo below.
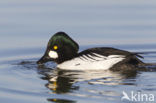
(55, 47)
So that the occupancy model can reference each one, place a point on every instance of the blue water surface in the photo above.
(27, 25)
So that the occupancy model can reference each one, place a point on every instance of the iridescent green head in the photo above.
(60, 48)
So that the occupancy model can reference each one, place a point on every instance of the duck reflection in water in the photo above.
(61, 81)
(70, 82)
(66, 82)
(61, 101)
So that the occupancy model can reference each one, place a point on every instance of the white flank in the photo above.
(98, 62)
(53, 54)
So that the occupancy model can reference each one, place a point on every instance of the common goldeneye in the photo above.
(64, 51)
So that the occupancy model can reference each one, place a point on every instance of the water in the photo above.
(27, 25)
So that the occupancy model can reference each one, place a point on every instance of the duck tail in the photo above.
(142, 63)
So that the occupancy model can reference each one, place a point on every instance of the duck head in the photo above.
(59, 49)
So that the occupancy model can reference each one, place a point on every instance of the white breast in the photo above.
(89, 62)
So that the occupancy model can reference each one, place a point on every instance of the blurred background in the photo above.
(30, 23)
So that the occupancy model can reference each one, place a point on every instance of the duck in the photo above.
(64, 51)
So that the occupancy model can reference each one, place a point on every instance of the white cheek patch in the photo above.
(53, 54)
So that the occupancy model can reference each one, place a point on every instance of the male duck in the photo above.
(64, 51)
